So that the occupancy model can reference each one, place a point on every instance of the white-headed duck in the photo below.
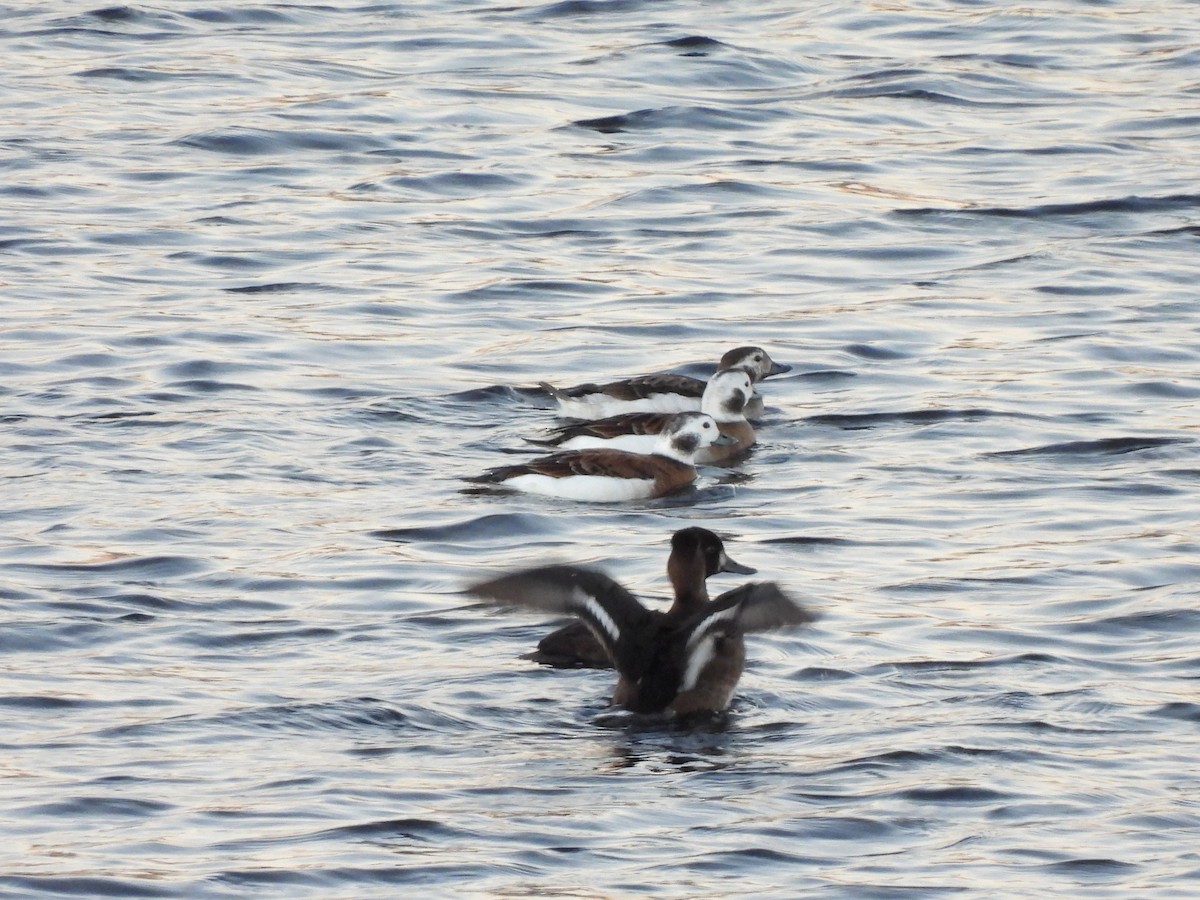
(725, 398)
(614, 475)
(661, 393)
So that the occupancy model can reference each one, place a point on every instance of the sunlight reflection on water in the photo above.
(277, 279)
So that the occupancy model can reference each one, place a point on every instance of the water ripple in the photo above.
(278, 276)
(1102, 447)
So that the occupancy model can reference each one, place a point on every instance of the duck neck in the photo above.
(717, 410)
(741, 431)
(688, 581)
(725, 400)
(666, 447)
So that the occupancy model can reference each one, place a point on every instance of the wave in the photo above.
(1102, 447)
(854, 421)
(1171, 203)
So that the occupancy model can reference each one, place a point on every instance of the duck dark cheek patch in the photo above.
(687, 444)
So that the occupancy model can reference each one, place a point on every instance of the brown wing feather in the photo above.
(647, 385)
(613, 426)
(638, 388)
(612, 463)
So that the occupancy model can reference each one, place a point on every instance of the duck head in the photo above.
(696, 555)
(687, 434)
(727, 393)
(755, 360)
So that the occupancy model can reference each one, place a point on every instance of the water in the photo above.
(276, 277)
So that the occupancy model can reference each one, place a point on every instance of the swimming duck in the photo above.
(725, 398)
(681, 667)
(696, 555)
(610, 475)
(660, 393)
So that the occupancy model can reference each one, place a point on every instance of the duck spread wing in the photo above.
(766, 608)
(613, 614)
(758, 606)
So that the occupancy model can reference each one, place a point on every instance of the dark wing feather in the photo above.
(613, 614)
(638, 388)
(610, 427)
(648, 385)
(573, 646)
(609, 463)
(768, 608)
(612, 463)
(571, 393)
(654, 694)
(758, 606)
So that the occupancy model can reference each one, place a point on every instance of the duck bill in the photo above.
(735, 567)
(777, 369)
(724, 440)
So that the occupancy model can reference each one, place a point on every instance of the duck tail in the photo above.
(489, 476)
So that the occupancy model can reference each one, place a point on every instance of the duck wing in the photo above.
(644, 386)
(757, 606)
(637, 388)
(610, 427)
(708, 647)
(614, 616)
(603, 462)
(573, 646)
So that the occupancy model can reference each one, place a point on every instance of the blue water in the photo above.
(274, 278)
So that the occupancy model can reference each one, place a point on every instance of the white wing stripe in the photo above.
(706, 624)
(698, 660)
(598, 613)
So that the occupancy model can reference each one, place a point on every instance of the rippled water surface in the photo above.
(275, 278)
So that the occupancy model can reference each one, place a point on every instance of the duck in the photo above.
(678, 668)
(696, 555)
(725, 398)
(664, 393)
(615, 475)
